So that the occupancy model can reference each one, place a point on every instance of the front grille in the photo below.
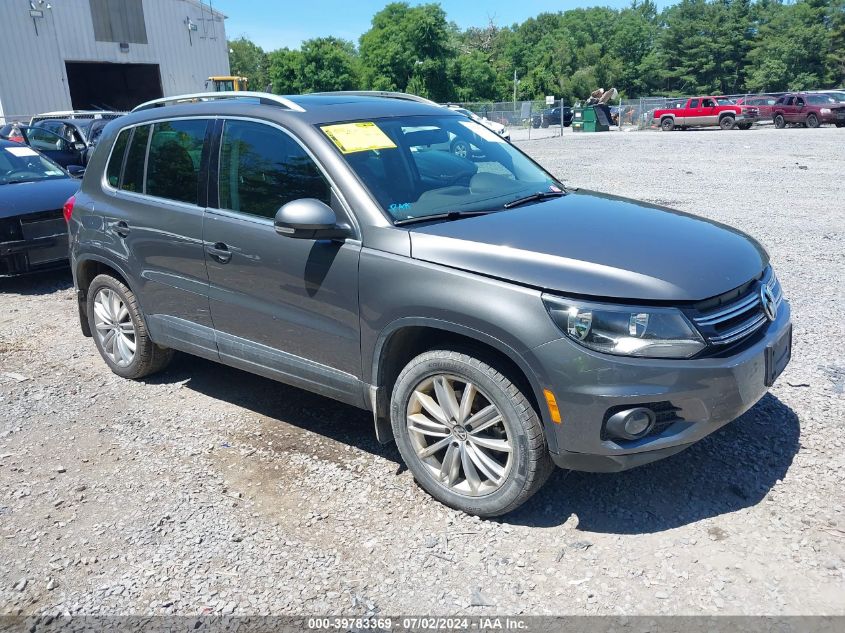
(739, 318)
(43, 224)
(10, 230)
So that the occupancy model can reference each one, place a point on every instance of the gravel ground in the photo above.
(209, 490)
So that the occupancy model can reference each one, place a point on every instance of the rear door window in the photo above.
(115, 165)
(693, 103)
(263, 168)
(133, 173)
(175, 157)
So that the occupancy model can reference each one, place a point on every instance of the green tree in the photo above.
(328, 63)
(285, 70)
(406, 43)
(247, 59)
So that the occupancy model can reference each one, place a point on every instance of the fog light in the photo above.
(631, 424)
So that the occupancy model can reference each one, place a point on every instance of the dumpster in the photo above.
(590, 119)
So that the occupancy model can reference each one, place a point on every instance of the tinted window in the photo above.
(693, 103)
(133, 172)
(116, 161)
(262, 168)
(173, 167)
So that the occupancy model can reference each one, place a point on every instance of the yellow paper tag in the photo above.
(358, 137)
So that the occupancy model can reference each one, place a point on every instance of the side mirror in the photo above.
(77, 171)
(309, 219)
(79, 146)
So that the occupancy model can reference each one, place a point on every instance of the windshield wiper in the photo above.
(534, 197)
(451, 215)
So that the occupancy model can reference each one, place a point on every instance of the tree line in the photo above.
(693, 47)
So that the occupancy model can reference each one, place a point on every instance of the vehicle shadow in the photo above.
(43, 283)
(278, 403)
(732, 469)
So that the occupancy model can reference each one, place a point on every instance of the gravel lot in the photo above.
(209, 490)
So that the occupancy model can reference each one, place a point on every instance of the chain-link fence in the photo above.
(523, 119)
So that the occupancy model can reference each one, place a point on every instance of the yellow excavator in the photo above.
(225, 83)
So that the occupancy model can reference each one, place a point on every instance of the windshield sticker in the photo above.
(401, 206)
(20, 152)
(488, 135)
(358, 137)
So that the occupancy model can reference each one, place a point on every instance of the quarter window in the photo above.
(116, 161)
(133, 173)
(173, 167)
(262, 169)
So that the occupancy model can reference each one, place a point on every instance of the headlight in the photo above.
(825, 110)
(626, 331)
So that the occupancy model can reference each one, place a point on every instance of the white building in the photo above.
(105, 54)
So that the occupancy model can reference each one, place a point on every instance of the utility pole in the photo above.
(514, 89)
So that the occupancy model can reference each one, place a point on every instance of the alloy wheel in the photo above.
(459, 435)
(114, 327)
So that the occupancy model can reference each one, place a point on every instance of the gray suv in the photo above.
(494, 322)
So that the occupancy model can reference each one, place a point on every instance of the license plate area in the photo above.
(777, 357)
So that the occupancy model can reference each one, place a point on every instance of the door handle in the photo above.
(219, 252)
(122, 229)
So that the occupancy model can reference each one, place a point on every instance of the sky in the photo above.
(274, 24)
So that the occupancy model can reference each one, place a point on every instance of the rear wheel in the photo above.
(727, 123)
(667, 124)
(468, 434)
(813, 120)
(120, 333)
(780, 122)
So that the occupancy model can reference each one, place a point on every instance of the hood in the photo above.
(592, 244)
(33, 197)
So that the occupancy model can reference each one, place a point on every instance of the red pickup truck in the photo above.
(707, 112)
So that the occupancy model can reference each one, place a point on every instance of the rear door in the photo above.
(691, 114)
(282, 307)
(153, 222)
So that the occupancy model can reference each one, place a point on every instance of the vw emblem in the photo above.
(770, 307)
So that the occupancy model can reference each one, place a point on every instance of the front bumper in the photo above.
(20, 257)
(705, 393)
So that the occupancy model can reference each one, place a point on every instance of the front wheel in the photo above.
(461, 149)
(727, 123)
(780, 122)
(813, 120)
(120, 333)
(468, 434)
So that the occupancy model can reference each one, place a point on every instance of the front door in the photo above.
(283, 307)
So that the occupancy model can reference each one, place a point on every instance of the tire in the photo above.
(780, 122)
(468, 482)
(545, 124)
(727, 123)
(461, 149)
(813, 120)
(112, 307)
(744, 126)
(667, 124)
(840, 124)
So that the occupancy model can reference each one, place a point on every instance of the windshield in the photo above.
(422, 166)
(725, 101)
(821, 99)
(24, 164)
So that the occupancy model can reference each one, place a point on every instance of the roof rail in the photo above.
(264, 98)
(385, 94)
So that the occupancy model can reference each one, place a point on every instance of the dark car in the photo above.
(86, 131)
(551, 117)
(33, 192)
(808, 108)
(56, 147)
(493, 322)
